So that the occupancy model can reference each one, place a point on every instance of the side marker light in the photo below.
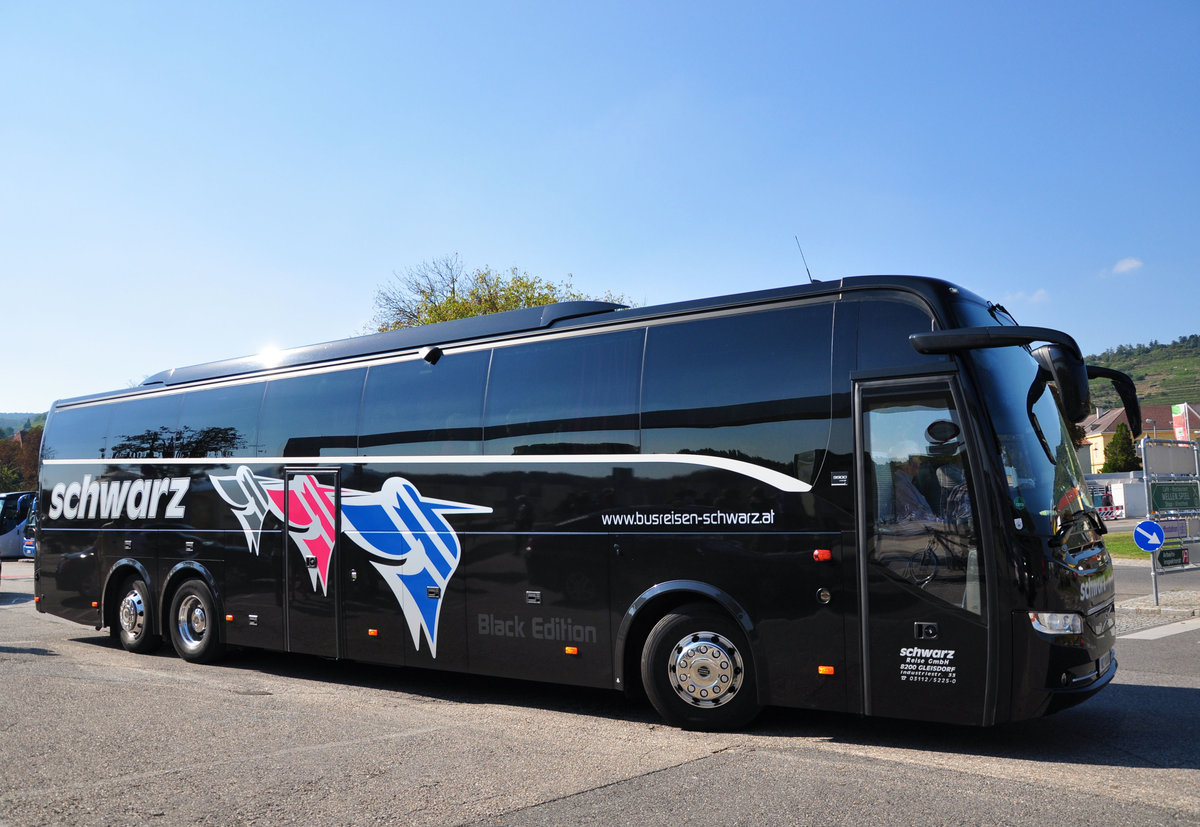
(95, 605)
(823, 555)
(372, 633)
(229, 618)
(571, 650)
(824, 670)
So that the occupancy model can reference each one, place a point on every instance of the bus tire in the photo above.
(133, 628)
(697, 670)
(194, 623)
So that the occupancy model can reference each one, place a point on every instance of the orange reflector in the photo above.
(95, 605)
(571, 650)
(824, 670)
(229, 618)
(372, 633)
(823, 555)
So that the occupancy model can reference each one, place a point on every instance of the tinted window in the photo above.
(311, 416)
(143, 428)
(883, 331)
(573, 395)
(77, 433)
(219, 422)
(754, 386)
(921, 528)
(418, 408)
(14, 510)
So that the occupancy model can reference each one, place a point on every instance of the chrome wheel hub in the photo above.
(191, 621)
(706, 669)
(132, 613)
(198, 620)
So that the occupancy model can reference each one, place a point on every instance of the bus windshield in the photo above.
(1045, 481)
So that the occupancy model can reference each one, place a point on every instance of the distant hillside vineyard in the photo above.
(1165, 374)
(10, 423)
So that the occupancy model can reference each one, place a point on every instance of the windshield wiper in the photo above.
(1035, 393)
(996, 310)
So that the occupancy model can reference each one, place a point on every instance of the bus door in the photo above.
(924, 634)
(312, 513)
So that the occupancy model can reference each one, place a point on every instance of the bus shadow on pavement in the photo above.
(1133, 727)
(1129, 726)
(425, 684)
(27, 650)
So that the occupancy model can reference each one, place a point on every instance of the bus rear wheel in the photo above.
(133, 618)
(697, 670)
(193, 622)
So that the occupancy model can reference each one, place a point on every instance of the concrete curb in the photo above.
(1175, 604)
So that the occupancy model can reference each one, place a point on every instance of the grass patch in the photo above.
(1121, 545)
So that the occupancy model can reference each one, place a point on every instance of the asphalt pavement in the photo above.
(95, 735)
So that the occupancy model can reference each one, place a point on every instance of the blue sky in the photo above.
(183, 183)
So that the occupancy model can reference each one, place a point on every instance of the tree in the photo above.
(441, 290)
(19, 460)
(1077, 433)
(1119, 455)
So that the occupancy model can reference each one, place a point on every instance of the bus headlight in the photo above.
(1057, 623)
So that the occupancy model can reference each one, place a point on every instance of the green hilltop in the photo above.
(1165, 374)
(10, 423)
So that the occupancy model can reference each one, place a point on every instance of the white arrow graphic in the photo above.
(1154, 539)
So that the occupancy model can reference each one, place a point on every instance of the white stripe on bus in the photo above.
(775, 479)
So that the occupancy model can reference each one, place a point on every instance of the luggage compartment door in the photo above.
(312, 510)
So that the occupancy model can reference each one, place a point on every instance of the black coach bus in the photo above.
(858, 496)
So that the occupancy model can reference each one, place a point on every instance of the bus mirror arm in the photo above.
(969, 338)
(1123, 384)
(1060, 360)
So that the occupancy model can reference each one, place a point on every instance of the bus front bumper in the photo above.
(1082, 682)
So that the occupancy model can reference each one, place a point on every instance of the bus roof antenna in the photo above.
(811, 280)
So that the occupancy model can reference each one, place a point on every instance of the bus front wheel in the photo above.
(697, 670)
(193, 622)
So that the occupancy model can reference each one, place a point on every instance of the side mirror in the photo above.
(1070, 376)
(942, 436)
(1124, 386)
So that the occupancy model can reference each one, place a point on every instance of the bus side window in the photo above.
(883, 330)
(570, 395)
(418, 408)
(311, 416)
(220, 422)
(148, 427)
(78, 433)
(921, 529)
(755, 385)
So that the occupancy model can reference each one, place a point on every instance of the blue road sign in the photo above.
(1149, 535)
